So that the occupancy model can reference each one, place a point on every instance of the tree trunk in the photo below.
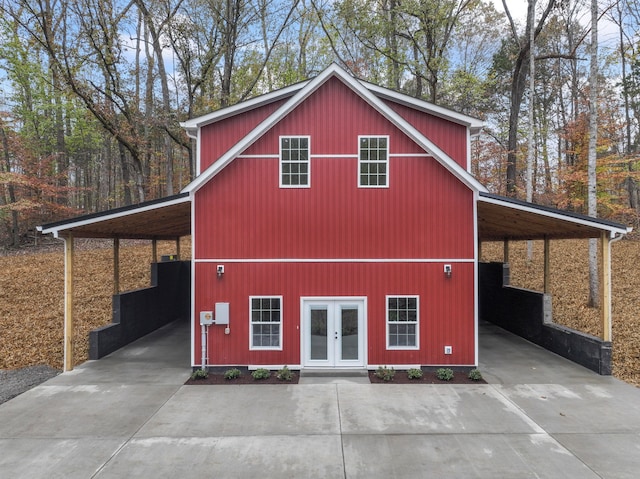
(518, 86)
(15, 225)
(594, 283)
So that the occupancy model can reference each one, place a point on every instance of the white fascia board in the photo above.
(473, 123)
(440, 156)
(559, 215)
(98, 218)
(200, 121)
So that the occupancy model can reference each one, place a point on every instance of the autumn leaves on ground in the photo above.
(31, 295)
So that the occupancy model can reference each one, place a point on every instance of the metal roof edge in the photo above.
(436, 110)
(58, 226)
(222, 113)
(600, 223)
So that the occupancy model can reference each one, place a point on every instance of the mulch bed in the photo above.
(427, 378)
(218, 378)
(399, 378)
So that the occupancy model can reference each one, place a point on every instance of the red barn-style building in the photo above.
(336, 223)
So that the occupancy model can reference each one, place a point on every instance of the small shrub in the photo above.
(414, 373)
(385, 373)
(233, 373)
(261, 373)
(284, 374)
(444, 374)
(475, 375)
(199, 374)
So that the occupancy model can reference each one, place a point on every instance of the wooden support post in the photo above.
(68, 303)
(547, 267)
(605, 286)
(505, 255)
(178, 248)
(154, 250)
(116, 266)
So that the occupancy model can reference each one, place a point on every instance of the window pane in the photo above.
(319, 334)
(373, 161)
(265, 322)
(294, 160)
(402, 321)
(349, 332)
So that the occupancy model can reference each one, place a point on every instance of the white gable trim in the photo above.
(193, 124)
(310, 87)
(472, 123)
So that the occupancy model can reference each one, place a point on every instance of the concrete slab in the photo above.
(229, 457)
(600, 407)
(45, 458)
(247, 410)
(608, 455)
(508, 359)
(428, 409)
(81, 410)
(512, 456)
(129, 415)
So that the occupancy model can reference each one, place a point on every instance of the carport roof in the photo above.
(164, 218)
(499, 218)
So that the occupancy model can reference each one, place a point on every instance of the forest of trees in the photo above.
(92, 91)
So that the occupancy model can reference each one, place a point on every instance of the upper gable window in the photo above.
(373, 161)
(294, 161)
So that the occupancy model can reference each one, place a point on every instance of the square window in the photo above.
(294, 162)
(265, 320)
(402, 322)
(373, 157)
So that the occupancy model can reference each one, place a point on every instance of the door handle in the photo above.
(336, 336)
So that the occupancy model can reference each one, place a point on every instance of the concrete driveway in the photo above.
(129, 415)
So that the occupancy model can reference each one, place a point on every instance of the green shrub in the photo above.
(284, 374)
(444, 374)
(199, 374)
(414, 373)
(475, 375)
(261, 373)
(385, 373)
(233, 373)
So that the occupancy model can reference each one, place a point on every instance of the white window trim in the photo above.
(417, 323)
(308, 185)
(264, 348)
(360, 185)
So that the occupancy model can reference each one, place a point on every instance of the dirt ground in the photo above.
(31, 294)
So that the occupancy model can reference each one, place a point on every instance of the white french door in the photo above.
(333, 333)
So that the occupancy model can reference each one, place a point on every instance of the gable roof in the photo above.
(304, 91)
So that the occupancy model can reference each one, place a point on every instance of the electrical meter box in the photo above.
(222, 313)
(206, 318)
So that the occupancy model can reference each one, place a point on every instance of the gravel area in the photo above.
(14, 382)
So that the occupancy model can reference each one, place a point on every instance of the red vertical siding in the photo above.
(422, 220)
(220, 136)
(450, 137)
(446, 307)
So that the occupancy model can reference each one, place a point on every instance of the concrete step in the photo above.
(333, 373)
